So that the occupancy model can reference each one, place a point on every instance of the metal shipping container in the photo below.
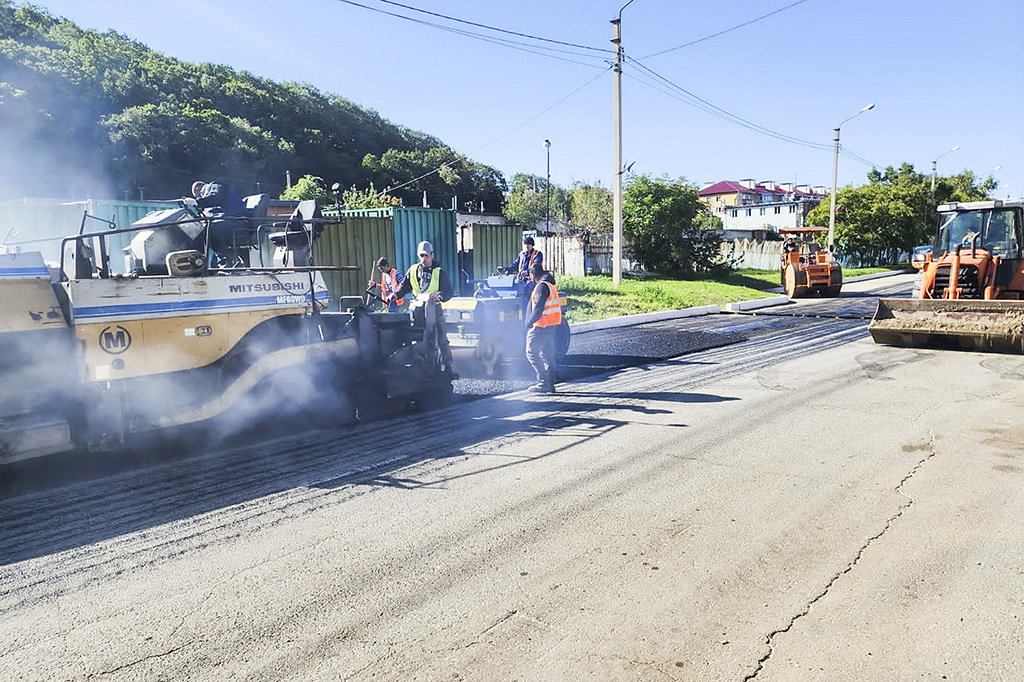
(41, 224)
(368, 234)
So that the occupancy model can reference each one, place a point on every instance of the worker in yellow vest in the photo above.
(543, 316)
(426, 280)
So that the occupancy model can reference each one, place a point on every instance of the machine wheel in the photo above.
(489, 358)
(835, 277)
(562, 339)
(794, 281)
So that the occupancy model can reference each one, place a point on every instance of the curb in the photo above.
(643, 318)
(756, 303)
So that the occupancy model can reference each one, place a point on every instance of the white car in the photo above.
(920, 256)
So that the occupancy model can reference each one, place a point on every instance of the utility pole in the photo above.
(547, 210)
(617, 178)
(835, 168)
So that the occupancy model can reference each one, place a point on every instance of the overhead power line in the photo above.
(499, 30)
(459, 157)
(728, 30)
(714, 110)
(532, 48)
(659, 83)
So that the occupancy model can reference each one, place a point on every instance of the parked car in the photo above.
(920, 255)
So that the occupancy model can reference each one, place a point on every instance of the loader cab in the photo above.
(994, 226)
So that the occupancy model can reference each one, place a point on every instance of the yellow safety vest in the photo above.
(435, 281)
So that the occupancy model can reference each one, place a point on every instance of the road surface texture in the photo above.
(792, 503)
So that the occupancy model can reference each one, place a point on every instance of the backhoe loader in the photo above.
(972, 287)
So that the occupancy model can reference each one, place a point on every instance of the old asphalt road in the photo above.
(796, 504)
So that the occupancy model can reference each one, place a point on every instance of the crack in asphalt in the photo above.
(770, 639)
(144, 659)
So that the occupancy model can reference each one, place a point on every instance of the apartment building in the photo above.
(751, 210)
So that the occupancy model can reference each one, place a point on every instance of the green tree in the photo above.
(878, 222)
(309, 187)
(440, 172)
(667, 229)
(354, 197)
(99, 110)
(528, 200)
(590, 208)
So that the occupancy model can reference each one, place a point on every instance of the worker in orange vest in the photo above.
(543, 317)
(390, 282)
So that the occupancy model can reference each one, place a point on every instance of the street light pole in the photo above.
(617, 178)
(935, 164)
(835, 170)
(547, 211)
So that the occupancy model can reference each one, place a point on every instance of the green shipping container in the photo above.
(394, 233)
(41, 224)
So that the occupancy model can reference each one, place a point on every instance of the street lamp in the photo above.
(547, 211)
(835, 169)
(931, 201)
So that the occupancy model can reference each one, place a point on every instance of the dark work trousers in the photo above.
(540, 351)
(430, 313)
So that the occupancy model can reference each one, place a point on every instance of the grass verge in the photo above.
(596, 298)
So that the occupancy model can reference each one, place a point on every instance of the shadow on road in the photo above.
(173, 487)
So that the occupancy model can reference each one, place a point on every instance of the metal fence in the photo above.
(764, 255)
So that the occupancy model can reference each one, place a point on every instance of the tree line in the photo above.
(85, 113)
(894, 211)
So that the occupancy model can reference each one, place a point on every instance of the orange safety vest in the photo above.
(390, 284)
(526, 263)
(552, 315)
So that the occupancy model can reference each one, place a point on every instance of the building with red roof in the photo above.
(752, 210)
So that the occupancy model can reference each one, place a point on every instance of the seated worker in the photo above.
(427, 278)
(520, 267)
(390, 282)
(227, 210)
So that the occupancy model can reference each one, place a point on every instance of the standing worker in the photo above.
(390, 282)
(543, 317)
(427, 280)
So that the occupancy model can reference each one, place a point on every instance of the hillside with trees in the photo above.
(84, 113)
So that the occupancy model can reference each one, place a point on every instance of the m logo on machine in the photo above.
(115, 339)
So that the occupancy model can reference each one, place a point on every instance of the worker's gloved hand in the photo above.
(189, 202)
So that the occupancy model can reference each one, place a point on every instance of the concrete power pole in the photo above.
(617, 179)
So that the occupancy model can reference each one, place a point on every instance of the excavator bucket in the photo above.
(964, 324)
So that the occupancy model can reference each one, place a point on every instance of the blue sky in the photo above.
(940, 74)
